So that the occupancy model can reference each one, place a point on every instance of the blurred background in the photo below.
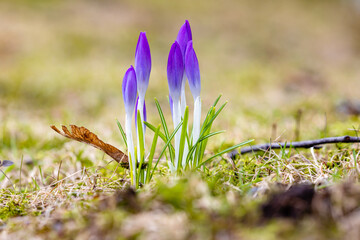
(62, 62)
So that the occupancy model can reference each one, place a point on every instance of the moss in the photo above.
(12, 209)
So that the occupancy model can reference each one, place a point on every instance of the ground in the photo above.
(289, 71)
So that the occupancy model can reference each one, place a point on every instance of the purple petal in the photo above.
(175, 71)
(192, 70)
(6, 163)
(184, 36)
(129, 89)
(142, 63)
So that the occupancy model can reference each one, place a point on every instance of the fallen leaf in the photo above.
(82, 134)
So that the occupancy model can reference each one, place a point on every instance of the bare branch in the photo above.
(301, 144)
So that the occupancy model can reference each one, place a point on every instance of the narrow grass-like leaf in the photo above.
(183, 136)
(289, 151)
(122, 132)
(164, 125)
(166, 145)
(142, 147)
(161, 135)
(8, 179)
(189, 140)
(152, 152)
(153, 128)
(193, 148)
(206, 120)
(207, 128)
(210, 135)
(162, 118)
(217, 100)
(198, 146)
(41, 175)
(214, 117)
(21, 165)
(224, 151)
(354, 156)
(36, 186)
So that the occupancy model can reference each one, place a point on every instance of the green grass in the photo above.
(62, 62)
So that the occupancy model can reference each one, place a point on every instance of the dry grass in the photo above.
(62, 63)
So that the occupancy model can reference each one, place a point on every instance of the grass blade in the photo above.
(217, 100)
(183, 136)
(224, 151)
(194, 147)
(153, 128)
(206, 130)
(214, 117)
(122, 132)
(141, 146)
(164, 125)
(162, 118)
(166, 145)
(161, 135)
(152, 152)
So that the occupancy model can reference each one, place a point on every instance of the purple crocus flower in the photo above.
(136, 110)
(129, 89)
(175, 71)
(192, 70)
(184, 36)
(142, 64)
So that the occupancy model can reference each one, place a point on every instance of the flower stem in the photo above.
(183, 107)
(141, 109)
(197, 118)
(177, 120)
(183, 96)
(131, 151)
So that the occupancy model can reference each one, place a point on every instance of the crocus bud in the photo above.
(136, 110)
(184, 36)
(129, 89)
(175, 71)
(142, 63)
(192, 70)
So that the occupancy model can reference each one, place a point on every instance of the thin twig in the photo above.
(301, 144)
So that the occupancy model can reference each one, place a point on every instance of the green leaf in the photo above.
(162, 118)
(225, 151)
(194, 147)
(142, 147)
(206, 130)
(183, 137)
(214, 116)
(164, 125)
(166, 145)
(152, 152)
(216, 100)
(122, 132)
(161, 135)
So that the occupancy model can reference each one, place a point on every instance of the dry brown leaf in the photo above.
(82, 134)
